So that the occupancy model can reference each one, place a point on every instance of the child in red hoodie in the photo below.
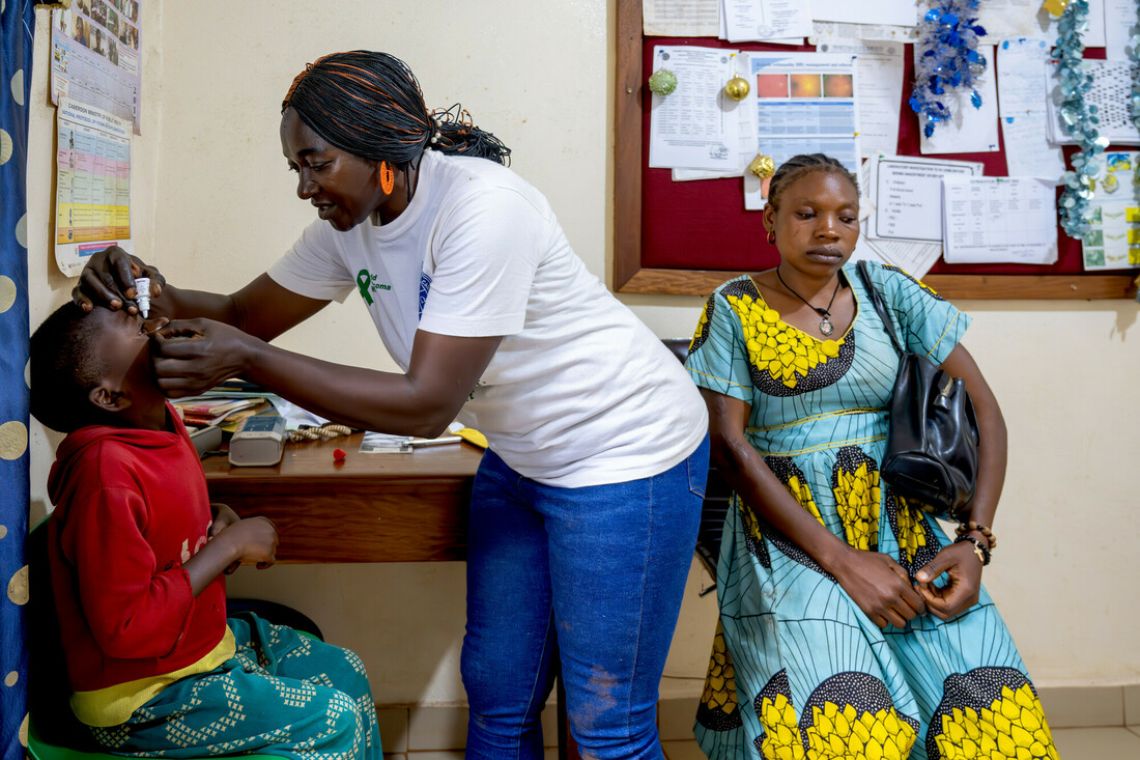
(138, 559)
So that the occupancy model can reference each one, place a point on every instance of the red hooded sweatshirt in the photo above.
(131, 508)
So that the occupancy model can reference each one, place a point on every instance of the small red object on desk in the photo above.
(339, 455)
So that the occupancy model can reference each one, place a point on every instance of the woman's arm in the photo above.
(877, 584)
(262, 308)
(195, 354)
(958, 560)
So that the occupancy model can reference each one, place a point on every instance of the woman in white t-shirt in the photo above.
(585, 509)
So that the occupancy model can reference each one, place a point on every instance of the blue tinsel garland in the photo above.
(948, 59)
(1078, 119)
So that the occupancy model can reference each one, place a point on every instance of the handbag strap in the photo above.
(877, 301)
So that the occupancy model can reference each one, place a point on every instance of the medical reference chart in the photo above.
(95, 56)
(93, 184)
(805, 103)
(1113, 241)
(991, 220)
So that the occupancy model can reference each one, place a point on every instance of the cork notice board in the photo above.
(685, 238)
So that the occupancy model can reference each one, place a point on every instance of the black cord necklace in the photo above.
(825, 326)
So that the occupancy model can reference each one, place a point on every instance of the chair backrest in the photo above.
(717, 492)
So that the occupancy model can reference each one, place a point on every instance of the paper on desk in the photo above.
(1114, 241)
(748, 20)
(907, 193)
(1021, 64)
(893, 12)
(805, 103)
(969, 130)
(694, 127)
(680, 18)
(1119, 18)
(879, 89)
(992, 220)
(1013, 18)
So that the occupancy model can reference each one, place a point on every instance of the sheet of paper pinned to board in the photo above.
(913, 257)
(805, 103)
(680, 18)
(1015, 18)
(996, 220)
(1111, 93)
(1023, 111)
(969, 129)
(752, 20)
(744, 131)
(907, 193)
(879, 89)
(1114, 240)
(694, 127)
(894, 12)
(1119, 18)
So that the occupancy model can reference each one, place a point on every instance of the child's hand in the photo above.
(961, 593)
(223, 518)
(256, 540)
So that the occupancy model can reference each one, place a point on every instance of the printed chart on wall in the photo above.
(95, 56)
(93, 184)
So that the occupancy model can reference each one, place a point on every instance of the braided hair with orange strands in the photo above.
(370, 104)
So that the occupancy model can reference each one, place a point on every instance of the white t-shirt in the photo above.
(579, 392)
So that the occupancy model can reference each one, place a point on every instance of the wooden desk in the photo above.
(370, 508)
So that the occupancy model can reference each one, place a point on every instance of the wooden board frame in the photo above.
(629, 276)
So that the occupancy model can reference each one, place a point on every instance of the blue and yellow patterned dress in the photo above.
(797, 670)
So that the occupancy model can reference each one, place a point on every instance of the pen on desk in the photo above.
(421, 442)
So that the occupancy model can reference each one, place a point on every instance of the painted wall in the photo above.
(214, 206)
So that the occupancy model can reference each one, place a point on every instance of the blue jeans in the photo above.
(590, 578)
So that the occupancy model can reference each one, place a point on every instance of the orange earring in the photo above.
(387, 178)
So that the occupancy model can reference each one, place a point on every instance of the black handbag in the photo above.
(932, 436)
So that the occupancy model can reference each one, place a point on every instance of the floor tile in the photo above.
(393, 723)
(1083, 706)
(686, 751)
(437, 727)
(395, 756)
(433, 755)
(1096, 744)
(675, 719)
(1132, 705)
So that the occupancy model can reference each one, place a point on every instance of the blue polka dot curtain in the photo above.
(17, 27)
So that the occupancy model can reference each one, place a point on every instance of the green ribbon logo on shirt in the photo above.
(367, 283)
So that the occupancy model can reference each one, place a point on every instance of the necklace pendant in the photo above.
(826, 327)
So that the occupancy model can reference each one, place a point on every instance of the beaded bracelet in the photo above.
(980, 549)
(972, 526)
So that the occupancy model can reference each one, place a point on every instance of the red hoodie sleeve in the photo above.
(134, 608)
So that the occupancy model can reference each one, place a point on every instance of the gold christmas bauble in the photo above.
(737, 88)
(762, 166)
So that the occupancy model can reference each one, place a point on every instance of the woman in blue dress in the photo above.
(851, 626)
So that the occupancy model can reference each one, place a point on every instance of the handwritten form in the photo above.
(907, 193)
(991, 220)
(1023, 63)
(689, 128)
